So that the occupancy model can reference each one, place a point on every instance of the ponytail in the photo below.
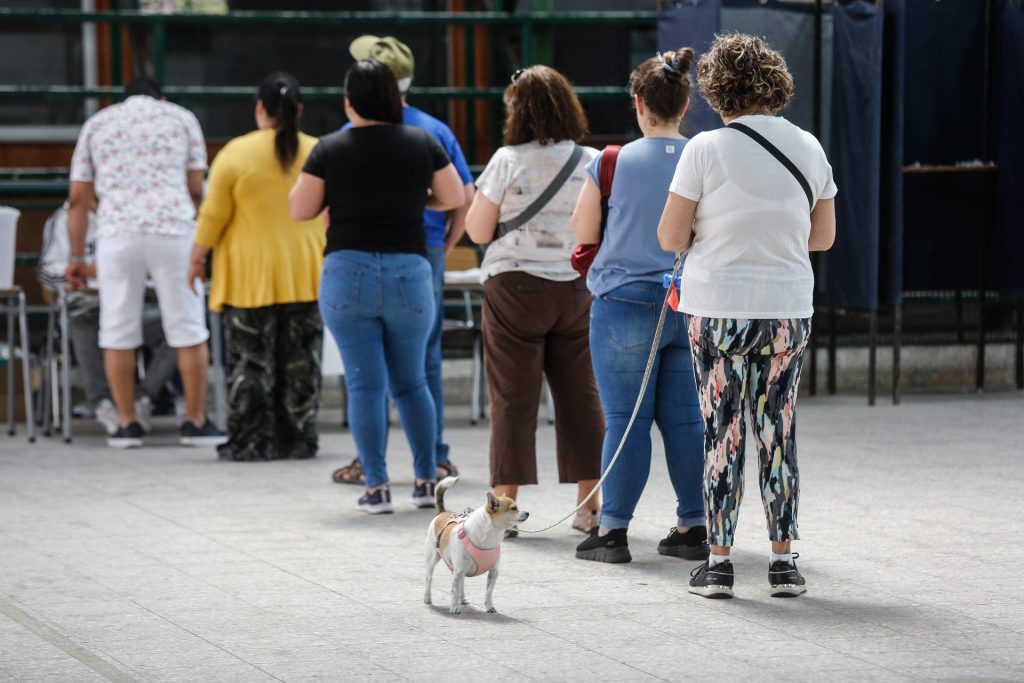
(279, 93)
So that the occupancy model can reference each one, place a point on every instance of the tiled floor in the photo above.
(164, 564)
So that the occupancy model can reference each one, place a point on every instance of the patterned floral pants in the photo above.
(736, 363)
(273, 355)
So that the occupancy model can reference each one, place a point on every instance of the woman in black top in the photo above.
(375, 293)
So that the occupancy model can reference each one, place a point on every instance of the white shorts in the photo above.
(123, 264)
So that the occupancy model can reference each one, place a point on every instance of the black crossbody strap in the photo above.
(783, 159)
(540, 202)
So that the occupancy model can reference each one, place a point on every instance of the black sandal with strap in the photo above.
(351, 473)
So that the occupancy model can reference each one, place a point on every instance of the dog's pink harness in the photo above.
(484, 558)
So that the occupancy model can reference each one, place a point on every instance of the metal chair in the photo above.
(13, 298)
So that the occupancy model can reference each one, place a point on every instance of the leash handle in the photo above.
(636, 408)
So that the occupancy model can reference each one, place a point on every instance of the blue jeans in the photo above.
(380, 308)
(436, 257)
(622, 325)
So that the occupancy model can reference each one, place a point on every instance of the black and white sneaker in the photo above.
(126, 437)
(424, 495)
(207, 435)
(376, 503)
(712, 582)
(693, 545)
(612, 548)
(785, 579)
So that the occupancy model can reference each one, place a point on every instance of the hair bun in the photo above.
(683, 59)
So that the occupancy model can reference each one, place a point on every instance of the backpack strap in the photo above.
(609, 158)
(775, 152)
(546, 196)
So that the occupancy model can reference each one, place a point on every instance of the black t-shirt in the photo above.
(376, 180)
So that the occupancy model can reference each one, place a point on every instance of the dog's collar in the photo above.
(483, 558)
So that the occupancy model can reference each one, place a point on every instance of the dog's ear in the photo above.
(492, 502)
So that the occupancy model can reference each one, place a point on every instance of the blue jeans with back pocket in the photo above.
(622, 325)
(380, 308)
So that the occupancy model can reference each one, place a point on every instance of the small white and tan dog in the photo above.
(469, 543)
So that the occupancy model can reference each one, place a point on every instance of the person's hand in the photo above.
(196, 270)
(77, 274)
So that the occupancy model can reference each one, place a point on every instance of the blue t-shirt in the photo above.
(436, 222)
(630, 250)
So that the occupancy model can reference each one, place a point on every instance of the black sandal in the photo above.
(351, 473)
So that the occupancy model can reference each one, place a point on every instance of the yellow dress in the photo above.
(261, 256)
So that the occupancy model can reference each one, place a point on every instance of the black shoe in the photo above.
(612, 548)
(207, 435)
(376, 503)
(693, 545)
(126, 437)
(785, 579)
(712, 582)
(424, 495)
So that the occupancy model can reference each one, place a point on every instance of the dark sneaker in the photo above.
(207, 435)
(693, 545)
(376, 503)
(612, 548)
(423, 495)
(785, 579)
(712, 582)
(126, 437)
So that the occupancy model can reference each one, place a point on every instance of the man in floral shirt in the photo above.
(144, 160)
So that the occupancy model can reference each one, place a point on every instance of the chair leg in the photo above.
(10, 367)
(46, 376)
(26, 368)
(65, 371)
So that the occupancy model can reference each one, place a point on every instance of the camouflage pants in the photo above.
(738, 363)
(273, 358)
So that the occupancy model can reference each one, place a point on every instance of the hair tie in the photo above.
(670, 66)
(284, 90)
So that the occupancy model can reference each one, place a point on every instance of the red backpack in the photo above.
(584, 254)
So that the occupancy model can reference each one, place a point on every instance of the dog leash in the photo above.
(639, 400)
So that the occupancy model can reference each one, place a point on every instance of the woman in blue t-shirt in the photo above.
(626, 281)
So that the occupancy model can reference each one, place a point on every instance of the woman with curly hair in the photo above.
(536, 312)
(749, 201)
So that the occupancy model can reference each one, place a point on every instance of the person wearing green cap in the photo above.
(444, 230)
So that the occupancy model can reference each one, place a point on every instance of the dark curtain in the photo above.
(890, 266)
(851, 267)
(692, 23)
(1009, 273)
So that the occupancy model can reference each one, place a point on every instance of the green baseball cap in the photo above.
(387, 50)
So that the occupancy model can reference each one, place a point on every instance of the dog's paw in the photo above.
(465, 601)
(456, 610)
(427, 600)
(491, 610)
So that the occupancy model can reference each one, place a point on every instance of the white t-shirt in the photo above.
(514, 177)
(749, 257)
(137, 155)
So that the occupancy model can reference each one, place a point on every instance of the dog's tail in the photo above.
(442, 486)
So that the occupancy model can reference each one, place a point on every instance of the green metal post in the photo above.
(543, 45)
(470, 57)
(115, 54)
(159, 51)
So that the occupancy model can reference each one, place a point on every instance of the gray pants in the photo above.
(84, 320)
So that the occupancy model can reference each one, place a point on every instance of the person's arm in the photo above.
(81, 197)
(675, 230)
(823, 226)
(457, 226)
(482, 219)
(306, 200)
(446, 192)
(195, 186)
(586, 218)
(197, 266)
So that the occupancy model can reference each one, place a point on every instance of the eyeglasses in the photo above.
(517, 73)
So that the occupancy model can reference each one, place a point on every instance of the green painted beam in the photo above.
(403, 18)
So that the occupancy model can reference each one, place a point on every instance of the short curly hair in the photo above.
(740, 74)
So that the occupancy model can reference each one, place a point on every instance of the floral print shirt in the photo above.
(137, 154)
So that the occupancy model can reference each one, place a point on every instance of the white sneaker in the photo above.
(144, 412)
(108, 417)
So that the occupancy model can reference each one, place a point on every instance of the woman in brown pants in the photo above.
(536, 312)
